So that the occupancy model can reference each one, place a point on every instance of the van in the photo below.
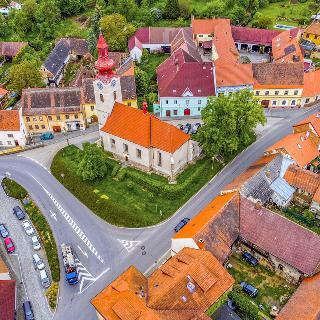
(44, 279)
(27, 311)
(249, 289)
(37, 261)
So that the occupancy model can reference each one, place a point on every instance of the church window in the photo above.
(187, 102)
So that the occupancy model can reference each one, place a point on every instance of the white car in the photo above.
(35, 243)
(27, 227)
(38, 262)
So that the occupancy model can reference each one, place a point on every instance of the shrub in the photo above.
(14, 189)
(130, 185)
(121, 174)
(52, 294)
(115, 170)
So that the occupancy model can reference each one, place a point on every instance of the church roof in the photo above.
(143, 129)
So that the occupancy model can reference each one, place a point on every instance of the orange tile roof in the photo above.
(3, 267)
(145, 130)
(305, 302)
(311, 86)
(205, 26)
(301, 149)
(240, 180)
(313, 120)
(3, 92)
(200, 221)
(314, 28)
(9, 120)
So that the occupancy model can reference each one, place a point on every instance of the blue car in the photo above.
(249, 289)
(250, 258)
(181, 224)
(47, 136)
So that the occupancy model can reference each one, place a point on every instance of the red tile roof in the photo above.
(142, 35)
(7, 299)
(311, 86)
(253, 35)
(9, 120)
(305, 302)
(301, 149)
(280, 237)
(205, 26)
(313, 120)
(144, 129)
(3, 92)
(11, 49)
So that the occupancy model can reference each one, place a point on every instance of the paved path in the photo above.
(105, 251)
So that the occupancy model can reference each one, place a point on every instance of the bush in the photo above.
(115, 170)
(14, 189)
(121, 174)
(52, 294)
(130, 185)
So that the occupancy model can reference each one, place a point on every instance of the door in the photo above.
(16, 142)
(186, 112)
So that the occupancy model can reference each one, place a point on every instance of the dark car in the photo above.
(19, 213)
(195, 128)
(47, 136)
(27, 310)
(181, 224)
(3, 231)
(249, 289)
(250, 258)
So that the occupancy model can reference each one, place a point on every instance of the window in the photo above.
(129, 104)
(284, 102)
(286, 92)
(58, 117)
(175, 112)
(101, 97)
(113, 143)
(139, 153)
(125, 147)
(43, 126)
(49, 118)
(67, 116)
(295, 92)
(307, 100)
(167, 102)
(114, 95)
(168, 113)
(34, 119)
(30, 127)
(274, 102)
(159, 159)
(199, 109)
(280, 266)
(10, 135)
(267, 93)
(175, 102)
(92, 108)
(276, 92)
(40, 118)
(36, 126)
(76, 116)
(9, 143)
(28, 119)
(200, 35)
(257, 93)
(308, 35)
(187, 102)
(293, 102)
(199, 101)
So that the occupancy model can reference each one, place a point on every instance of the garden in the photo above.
(128, 197)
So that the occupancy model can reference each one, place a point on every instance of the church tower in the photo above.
(107, 88)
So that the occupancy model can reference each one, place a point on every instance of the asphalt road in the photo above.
(105, 251)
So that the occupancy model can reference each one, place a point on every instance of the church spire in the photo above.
(104, 64)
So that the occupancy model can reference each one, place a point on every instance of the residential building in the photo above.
(310, 124)
(89, 102)
(7, 299)
(311, 87)
(304, 303)
(286, 47)
(278, 84)
(12, 129)
(184, 287)
(185, 81)
(312, 33)
(66, 49)
(224, 312)
(9, 50)
(154, 39)
(53, 109)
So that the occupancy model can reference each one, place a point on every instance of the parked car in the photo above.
(27, 310)
(181, 224)
(9, 245)
(45, 281)
(250, 258)
(47, 136)
(195, 128)
(35, 243)
(27, 227)
(249, 289)
(3, 231)
(38, 262)
(19, 213)
(187, 128)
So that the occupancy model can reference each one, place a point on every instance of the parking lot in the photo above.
(20, 262)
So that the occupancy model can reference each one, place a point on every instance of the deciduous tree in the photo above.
(141, 81)
(172, 9)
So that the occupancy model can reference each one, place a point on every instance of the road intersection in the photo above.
(105, 251)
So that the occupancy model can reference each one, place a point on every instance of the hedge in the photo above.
(14, 189)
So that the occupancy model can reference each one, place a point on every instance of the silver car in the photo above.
(45, 281)
(38, 262)
(35, 243)
(27, 227)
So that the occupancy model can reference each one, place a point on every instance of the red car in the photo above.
(9, 245)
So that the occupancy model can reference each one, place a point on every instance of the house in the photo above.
(53, 109)
(135, 136)
(4, 271)
(185, 81)
(9, 50)
(184, 287)
(12, 129)
(312, 33)
(300, 147)
(66, 49)
(310, 124)
(304, 303)
(7, 299)
(154, 39)
(286, 46)
(311, 87)
(89, 102)
(225, 313)
(278, 84)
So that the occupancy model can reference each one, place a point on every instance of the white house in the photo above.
(12, 128)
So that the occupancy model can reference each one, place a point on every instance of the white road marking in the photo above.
(53, 215)
(129, 244)
(83, 252)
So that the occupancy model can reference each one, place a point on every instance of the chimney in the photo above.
(145, 107)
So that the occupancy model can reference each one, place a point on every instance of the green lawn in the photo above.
(284, 12)
(129, 197)
(273, 290)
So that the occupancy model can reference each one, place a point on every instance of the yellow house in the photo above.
(312, 33)
(52, 109)
(88, 100)
(278, 85)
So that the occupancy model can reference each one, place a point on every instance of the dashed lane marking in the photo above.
(129, 245)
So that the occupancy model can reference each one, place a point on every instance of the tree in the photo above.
(261, 21)
(24, 75)
(3, 26)
(229, 123)
(214, 8)
(93, 165)
(127, 8)
(172, 9)
(71, 7)
(185, 8)
(141, 81)
(117, 31)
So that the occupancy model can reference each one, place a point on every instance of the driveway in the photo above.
(28, 281)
